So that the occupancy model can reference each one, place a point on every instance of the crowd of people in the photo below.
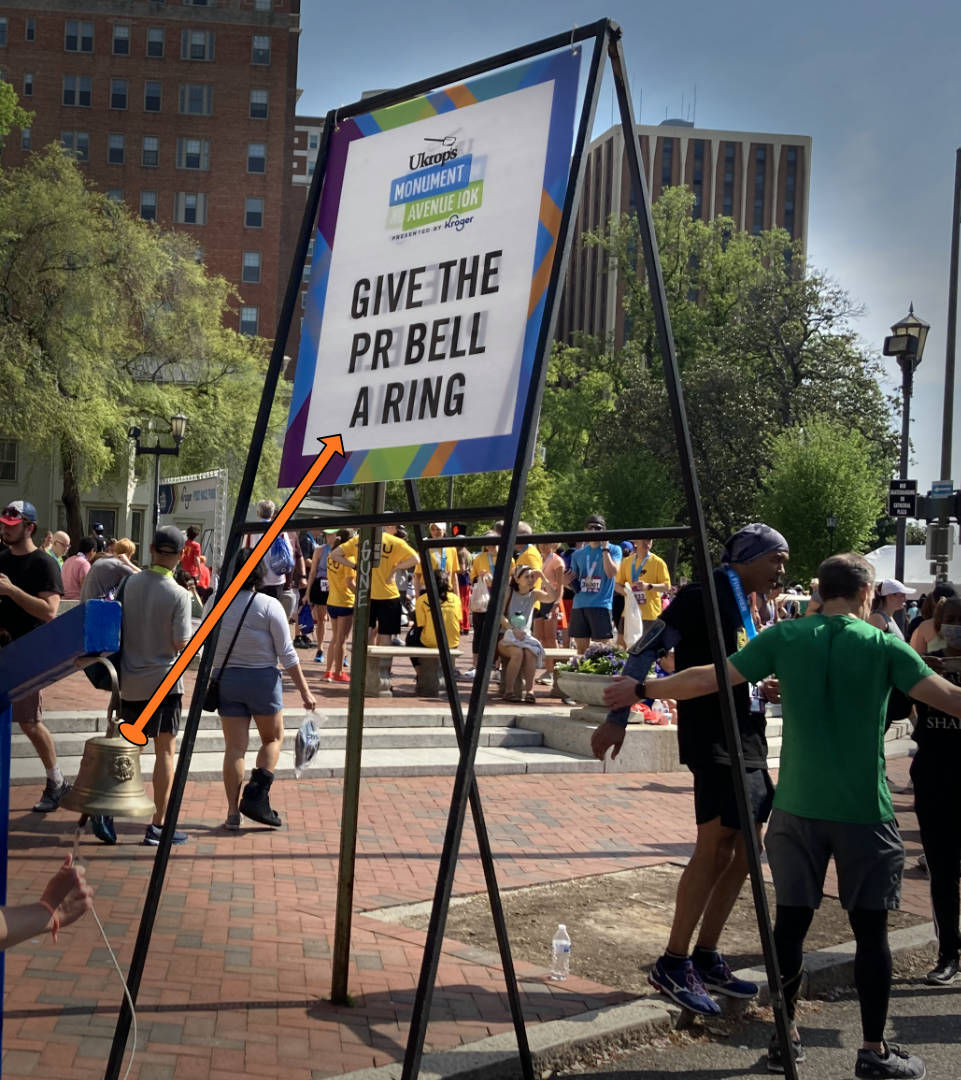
(843, 661)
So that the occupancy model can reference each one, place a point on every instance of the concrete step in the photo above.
(432, 761)
(70, 744)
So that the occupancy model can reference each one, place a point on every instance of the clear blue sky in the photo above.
(875, 83)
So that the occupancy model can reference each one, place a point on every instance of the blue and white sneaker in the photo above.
(680, 981)
(717, 976)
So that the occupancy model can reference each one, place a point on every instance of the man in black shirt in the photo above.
(753, 561)
(30, 591)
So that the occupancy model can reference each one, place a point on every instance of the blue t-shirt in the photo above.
(596, 588)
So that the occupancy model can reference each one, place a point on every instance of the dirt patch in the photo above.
(619, 924)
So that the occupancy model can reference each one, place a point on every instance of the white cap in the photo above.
(891, 586)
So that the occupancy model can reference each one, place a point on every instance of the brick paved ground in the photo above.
(240, 962)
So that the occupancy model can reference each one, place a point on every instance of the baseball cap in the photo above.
(17, 511)
(627, 547)
(168, 540)
(596, 519)
(890, 586)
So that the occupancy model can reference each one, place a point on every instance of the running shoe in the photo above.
(679, 980)
(944, 974)
(102, 828)
(50, 799)
(152, 836)
(342, 676)
(329, 677)
(775, 1059)
(897, 1065)
(717, 976)
(319, 656)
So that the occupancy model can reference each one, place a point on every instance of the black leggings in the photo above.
(872, 962)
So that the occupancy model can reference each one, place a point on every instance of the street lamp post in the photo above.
(832, 523)
(178, 428)
(906, 343)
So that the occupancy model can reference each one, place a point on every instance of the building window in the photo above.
(115, 149)
(155, 41)
(698, 179)
(3, 31)
(258, 104)
(25, 138)
(256, 157)
(730, 150)
(760, 183)
(193, 153)
(30, 30)
(313, 141)
(197, 45)
(251, 268)
(196, 99)
(190, 208)
(150, 151)
(148, 205)
(28, 85)
(76, 90)
(254, 213)
(260, 49)
(115, 195)
(78, 142)
(121, 40)
(118, 93)
(152, 95)
(262, 5)
(8, 461)
(667, 161)
(78, 36)
(249, 319)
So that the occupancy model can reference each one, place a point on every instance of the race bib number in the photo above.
(324, 585)
(591, 584)
(639, 594)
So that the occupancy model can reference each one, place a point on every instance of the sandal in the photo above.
(512, 699)
(529, 698)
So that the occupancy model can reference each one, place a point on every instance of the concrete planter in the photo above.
(583, 687)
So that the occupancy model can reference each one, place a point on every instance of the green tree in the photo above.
(11, 114)
(105, 321)
(815, 471)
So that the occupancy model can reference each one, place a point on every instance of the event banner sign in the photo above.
(435, 239)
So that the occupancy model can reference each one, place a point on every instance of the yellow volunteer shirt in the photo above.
(340, 594)
(450, 611)
(393, 550)
(442, 559)
(530, 556)
(482, 564)
(655, 573)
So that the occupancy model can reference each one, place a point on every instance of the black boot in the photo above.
(255, 801)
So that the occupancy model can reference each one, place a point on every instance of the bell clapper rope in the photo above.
(93, 912)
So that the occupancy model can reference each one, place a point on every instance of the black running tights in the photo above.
(872, 961)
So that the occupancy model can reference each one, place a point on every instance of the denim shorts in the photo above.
(250, 692)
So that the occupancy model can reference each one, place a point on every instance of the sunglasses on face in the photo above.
(593, 527)
(12, 512)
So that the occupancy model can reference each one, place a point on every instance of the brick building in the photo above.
(760, 180)
(183, 109)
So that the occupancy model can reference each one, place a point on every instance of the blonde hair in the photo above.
(124, 546)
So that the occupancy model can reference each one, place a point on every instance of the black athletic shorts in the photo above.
(385, 615)
(318, 596)
(714, 795)
(592, 622)
(165, 720)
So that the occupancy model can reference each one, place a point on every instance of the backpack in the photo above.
(280, 556)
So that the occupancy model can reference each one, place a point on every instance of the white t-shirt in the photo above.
(264, 639)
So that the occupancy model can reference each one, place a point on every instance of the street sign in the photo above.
(942, 487)
(902, 498)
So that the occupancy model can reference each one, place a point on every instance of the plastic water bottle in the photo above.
(561, 954)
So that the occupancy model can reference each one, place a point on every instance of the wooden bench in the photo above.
(380, 658)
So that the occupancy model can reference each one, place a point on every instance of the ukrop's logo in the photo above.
(442, 183)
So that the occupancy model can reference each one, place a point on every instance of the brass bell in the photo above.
(109, 781)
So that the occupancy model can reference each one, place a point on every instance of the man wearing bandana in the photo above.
(753, 561)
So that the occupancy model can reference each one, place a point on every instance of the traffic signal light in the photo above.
(934, 507)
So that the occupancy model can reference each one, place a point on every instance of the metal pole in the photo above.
(271, 377)
(947, 423)
(518, 486)
(6, 723)
(372, 499)
(156, 489)
(672, 378)
(907, 385)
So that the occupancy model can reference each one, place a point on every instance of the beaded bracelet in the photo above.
(55, 929)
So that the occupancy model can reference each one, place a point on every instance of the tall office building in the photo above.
(759, 180)
(182, 109)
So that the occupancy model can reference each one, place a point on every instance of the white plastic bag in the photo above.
(480, 596)
(306, 744)
(633, 627)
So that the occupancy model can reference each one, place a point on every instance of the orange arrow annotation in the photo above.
(333, 444)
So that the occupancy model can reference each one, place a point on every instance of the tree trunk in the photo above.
(71, 501)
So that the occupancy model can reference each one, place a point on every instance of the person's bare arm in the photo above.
(610, 566)
(43, 606)
(338, 556)
(939, 694)
(406, 564)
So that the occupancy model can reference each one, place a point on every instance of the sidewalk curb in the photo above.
(555, 1044)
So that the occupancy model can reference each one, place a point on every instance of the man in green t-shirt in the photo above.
(835, 672)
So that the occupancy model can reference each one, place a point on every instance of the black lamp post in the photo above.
(178, 428)
(906, 343)
(832, 523)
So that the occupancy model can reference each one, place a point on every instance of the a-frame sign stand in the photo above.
(605, 39)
